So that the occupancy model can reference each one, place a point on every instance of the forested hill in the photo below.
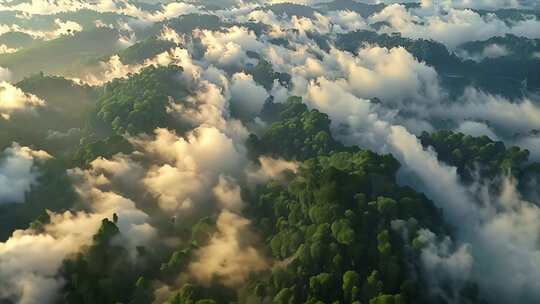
(344, 151)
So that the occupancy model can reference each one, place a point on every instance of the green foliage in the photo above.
(388, 299)
(298, 134)
(178, 260)
(350, 286)
(342, 232)
(87, 152)
(476, 155)
(143, 293)
(264, 74)
(139, 103)
(194, 294)
(333, 224)
(142, 50)
(203, 230)
(102, 273)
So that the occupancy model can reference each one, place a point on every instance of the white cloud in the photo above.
(452, 27)
(18, 172)
(229, 47)
(270, 168)
(247, 97)
(13, 99)
(229, 256)
(190, 166)
(476, 129)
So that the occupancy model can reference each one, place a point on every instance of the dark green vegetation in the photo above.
(140, 51)
(333, 225)
(298, 134)
(139, 103)
(512, 14)
(476, 155)
(134, 105)
(480, 159)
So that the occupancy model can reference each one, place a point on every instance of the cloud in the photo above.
(476, 129)
(114, 68)
(530, 142)
(227, 193)
(168, 34)
(450, 26)
(391, 75)
(61, 28)
(355, 121)
(28, 277)
(51, 7)
(346, 21)
(443, 264)
(229, 47)
(270, 168)
(4, 49)
(19, 172)
(504, 116)
(66, 28)
(168, 11)
(490, 51)
(5, 74)
(230, 255)
(31, 278)
(247, 97)
(189, 166)
(486, 4)
(13, 100)
(506, 240)
(494, 51)
(481, 230)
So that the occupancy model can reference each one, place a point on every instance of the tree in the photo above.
(351, 281)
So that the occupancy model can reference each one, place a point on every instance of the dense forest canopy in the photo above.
(335, 151)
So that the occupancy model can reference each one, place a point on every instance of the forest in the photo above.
(321, 152)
